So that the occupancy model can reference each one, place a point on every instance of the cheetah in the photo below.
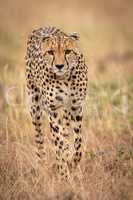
(56, 82)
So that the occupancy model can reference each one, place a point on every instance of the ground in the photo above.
(106, 170)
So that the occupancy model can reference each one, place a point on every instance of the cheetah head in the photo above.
(60, 52)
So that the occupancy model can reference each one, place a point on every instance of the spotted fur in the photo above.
(56, 77)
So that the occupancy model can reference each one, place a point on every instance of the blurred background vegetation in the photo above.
(104, 26)
(106, 38)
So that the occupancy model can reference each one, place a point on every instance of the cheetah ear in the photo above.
(74, 35)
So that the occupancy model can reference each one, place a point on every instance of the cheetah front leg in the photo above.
(36, 115)
(61, 144)
(76, 117)
(72, 123)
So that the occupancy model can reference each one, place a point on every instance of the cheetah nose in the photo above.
(60, 66)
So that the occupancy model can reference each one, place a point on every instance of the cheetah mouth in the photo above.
(60, 75)
(64, 74)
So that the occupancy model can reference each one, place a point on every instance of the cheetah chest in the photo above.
(57, 96)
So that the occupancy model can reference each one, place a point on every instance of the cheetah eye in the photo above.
(68, 51)
(51, 52)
